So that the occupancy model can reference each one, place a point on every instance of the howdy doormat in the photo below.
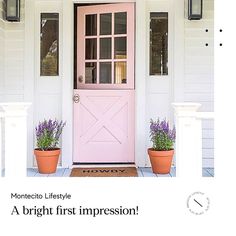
(104, 172)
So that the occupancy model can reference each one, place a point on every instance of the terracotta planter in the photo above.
(47, 160)
(161, 161)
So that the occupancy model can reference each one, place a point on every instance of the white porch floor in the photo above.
(142, 172)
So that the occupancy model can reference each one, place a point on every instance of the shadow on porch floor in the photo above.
(142, 172)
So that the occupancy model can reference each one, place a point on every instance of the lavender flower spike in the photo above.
(48, 134)
(162, 136)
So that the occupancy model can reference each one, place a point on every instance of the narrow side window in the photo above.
(158, 43)
(49, 44)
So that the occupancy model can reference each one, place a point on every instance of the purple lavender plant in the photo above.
(162, 136)
(48, 134)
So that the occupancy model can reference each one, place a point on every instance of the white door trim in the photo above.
(67, 82)
(29, 75)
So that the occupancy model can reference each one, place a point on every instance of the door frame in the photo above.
(141, 132)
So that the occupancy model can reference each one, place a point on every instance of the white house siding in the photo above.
(12, 77)
(11, 59)
(1, 68)
(199, 72)
(1, 48)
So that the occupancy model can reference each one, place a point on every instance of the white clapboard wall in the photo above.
(2, 53)
(11, 60)
(199, 72)
(12, 51)
(2, 26)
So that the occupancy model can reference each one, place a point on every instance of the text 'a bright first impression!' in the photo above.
(59, 210)
(65, 211)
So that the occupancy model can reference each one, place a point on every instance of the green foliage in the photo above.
(161, 142)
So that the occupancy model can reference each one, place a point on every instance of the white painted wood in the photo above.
(29, 75)
(41, 175)
(2, 6)
(147, 172)
(31, 172)
(2, 51)
(67, 83)
(15, 138)
(199, 68)
(11, 60)
(47, 89)
(211, 171)
(208, 162)
(159, 89)
(179, 60)
(188, 140)
(206, 115)
(66, 172)
(59, 173)
(173, 172)
(1, 142)
(207, 141)
(205, 173)
(140, 85)
(140, 173)
(163, 175)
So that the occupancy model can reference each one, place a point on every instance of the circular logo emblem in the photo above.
(198, 203)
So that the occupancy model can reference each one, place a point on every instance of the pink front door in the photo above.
(104, 98)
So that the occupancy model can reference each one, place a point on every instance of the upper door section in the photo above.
(105, 46)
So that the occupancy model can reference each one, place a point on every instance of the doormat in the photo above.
(104, 172)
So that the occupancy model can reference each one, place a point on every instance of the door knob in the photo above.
(81, 79)
(76, 98)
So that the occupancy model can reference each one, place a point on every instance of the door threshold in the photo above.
(103, 165)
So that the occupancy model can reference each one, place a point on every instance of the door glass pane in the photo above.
(90, 72)
(196, 7)
(120, 72)
(120, 23)
(91, 49)
(49, 43)
(91, 25)
(105, 48)
(159, 43)
(105, 24)
(105, 73)
(120, 48)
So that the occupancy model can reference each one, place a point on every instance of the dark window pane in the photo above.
(120, 72)
(196, 7)
(90, 72)
(91, 25)
(91, 49)
(159, 43)
(105, 24)
(120, 48)
(105, 73)
(120, 23)
(49, 44)
(105, 48)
